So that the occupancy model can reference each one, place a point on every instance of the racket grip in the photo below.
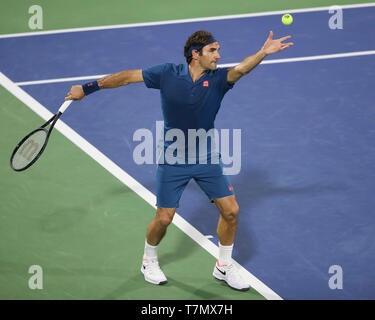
(65, 105)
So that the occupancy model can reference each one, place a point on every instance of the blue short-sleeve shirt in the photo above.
(187, 104)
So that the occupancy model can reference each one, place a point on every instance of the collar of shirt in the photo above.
(186, 74)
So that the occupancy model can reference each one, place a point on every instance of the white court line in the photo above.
(130, 182)
(271, 61)
(156, 23)
(27, 83)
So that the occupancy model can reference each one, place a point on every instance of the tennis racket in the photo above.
(31, 147)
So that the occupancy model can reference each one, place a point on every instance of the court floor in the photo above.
(307, 172)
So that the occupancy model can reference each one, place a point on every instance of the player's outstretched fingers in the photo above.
(286, 45)
(284, 38)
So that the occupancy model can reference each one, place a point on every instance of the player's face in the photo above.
(210, 56)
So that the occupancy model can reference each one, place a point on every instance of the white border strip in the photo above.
(156, 23)
(271, 61)
(129, 181)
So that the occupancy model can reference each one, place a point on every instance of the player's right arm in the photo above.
(111, 81)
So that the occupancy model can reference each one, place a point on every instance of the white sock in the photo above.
(150, 251)
(225, 254)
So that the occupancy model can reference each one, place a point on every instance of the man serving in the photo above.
(191, 96)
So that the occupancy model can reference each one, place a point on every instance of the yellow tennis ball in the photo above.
(287, 19)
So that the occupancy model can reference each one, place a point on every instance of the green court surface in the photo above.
(69, 215)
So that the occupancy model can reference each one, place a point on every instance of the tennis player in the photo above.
(191, 96)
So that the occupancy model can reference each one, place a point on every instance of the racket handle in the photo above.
(65, 105)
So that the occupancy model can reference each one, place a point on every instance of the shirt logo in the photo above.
(205, 83)
(230, 188)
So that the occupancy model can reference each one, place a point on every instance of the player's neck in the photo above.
(196, 71)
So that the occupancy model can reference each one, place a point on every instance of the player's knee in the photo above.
(230, 214)
(165, 218)
(165, 221)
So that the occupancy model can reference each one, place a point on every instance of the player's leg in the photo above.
(155, 233)
(170, 183)
(226, 229)
(158, 226)
(228, 220)
(218, 188)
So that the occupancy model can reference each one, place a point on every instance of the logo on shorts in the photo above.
(205, 83)
(230, 188)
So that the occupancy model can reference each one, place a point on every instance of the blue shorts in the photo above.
(171, 181)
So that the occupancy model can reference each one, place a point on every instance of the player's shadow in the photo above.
(251, 188)
(183, 248)
(137, 283)
(69, 215)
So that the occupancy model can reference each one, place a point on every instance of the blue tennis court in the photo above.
(307, 176)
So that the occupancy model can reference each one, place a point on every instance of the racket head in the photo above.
(29, 149)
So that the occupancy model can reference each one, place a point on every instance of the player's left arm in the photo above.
(270, 46)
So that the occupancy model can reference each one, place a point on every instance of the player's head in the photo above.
(202, 48)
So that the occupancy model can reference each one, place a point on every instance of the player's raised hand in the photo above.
(275, 45)
(75, 93)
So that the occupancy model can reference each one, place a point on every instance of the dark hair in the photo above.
(198, 38)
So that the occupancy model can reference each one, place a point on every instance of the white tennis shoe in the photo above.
(152, 272)
(231, 275)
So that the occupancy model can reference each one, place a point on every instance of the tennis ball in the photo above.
(287, 19)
